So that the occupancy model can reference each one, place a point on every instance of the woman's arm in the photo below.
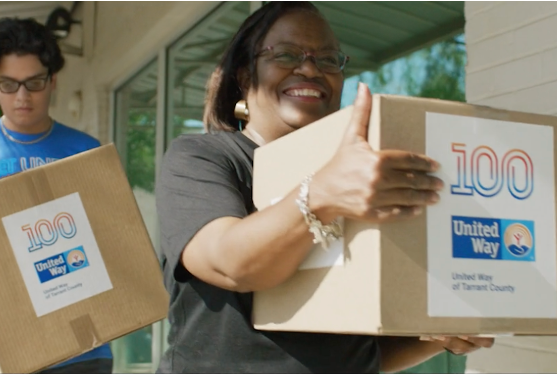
(253, 253)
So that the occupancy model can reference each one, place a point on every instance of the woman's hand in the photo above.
(460, 345)
(361, 184)
(401, 353)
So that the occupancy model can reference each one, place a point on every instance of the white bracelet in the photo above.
(323, 234)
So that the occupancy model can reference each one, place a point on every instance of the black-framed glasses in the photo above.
(290, 56)
(32, 85)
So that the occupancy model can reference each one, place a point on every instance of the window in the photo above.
(192, 59)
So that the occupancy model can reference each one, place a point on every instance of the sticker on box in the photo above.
(491, 238)
(57, 253)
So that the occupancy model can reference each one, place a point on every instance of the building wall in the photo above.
(511, 50)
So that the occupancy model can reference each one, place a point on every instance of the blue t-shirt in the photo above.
(62, 142)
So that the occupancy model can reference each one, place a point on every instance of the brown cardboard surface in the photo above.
(381, 289)
(29, 343)
(315, 298)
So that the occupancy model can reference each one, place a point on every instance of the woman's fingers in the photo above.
(402, 160)
(392, 213)
(390, 179)
(462, 344)
(404, 197)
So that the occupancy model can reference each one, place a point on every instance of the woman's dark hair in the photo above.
(223, 88)
(29, 37)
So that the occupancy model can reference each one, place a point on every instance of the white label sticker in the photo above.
(318, 257)
(57, 254)
(491, 239)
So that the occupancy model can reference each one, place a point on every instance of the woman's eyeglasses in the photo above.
(290, 56)
(32, 85)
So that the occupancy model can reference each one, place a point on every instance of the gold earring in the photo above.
(241, 110)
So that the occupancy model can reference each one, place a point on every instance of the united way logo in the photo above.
(76, 258)
(518, 240)
(61, 264)
(493, 239)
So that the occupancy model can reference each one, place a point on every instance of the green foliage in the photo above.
(140, 150)
(437, 72)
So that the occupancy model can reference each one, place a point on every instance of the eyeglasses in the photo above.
(32, 85)
(290, 56)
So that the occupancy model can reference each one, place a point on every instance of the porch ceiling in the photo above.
(376, 32)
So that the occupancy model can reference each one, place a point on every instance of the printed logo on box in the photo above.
(493, 239)
(61, 264)
(516, 171)
(500, 180)
(57, 253)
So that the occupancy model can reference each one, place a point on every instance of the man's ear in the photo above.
(53, 79)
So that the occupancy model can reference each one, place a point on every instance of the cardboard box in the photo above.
(438, 273)
(78, 268)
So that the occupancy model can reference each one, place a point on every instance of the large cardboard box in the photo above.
(482, 261)
(78, 268)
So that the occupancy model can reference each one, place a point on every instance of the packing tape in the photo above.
(85, 333)
(41, 185)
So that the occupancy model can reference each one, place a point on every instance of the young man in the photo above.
(29, 61)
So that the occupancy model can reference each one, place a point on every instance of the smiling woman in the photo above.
(282, 71)
(292, 84)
